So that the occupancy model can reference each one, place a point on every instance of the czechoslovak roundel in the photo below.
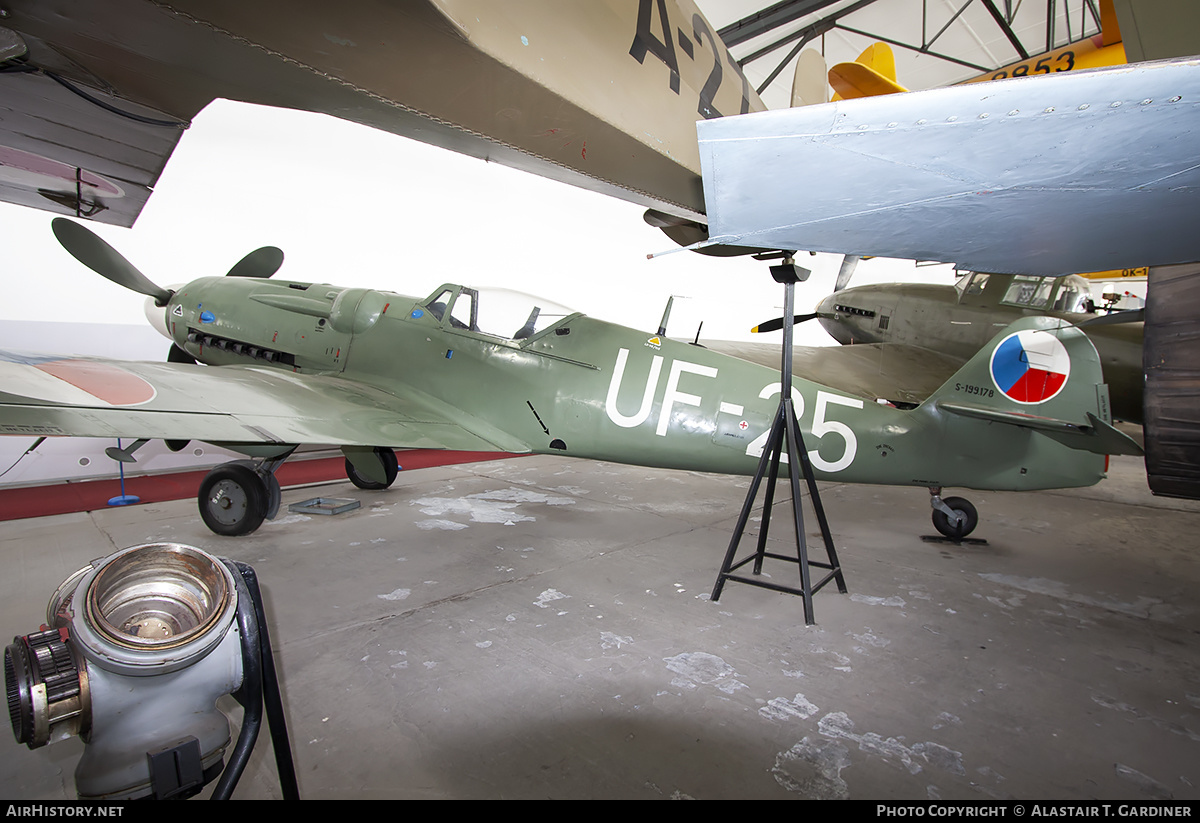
(1030, 366)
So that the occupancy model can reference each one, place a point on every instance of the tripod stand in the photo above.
(785, 433)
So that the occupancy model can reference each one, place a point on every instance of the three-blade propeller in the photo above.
(89, 249)
(86, 246)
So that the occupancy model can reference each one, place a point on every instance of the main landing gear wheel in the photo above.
(964, 509)
(391, 468)
(233, 500)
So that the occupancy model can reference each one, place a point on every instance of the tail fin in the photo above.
(810, 85)
(1040, 374)
(871, 74)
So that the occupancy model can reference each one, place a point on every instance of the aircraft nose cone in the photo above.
(828, 320)
(157, 317)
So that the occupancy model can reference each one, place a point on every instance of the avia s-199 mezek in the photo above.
(280, 363)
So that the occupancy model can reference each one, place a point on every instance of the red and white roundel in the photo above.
(74, 382)
(1030, 366)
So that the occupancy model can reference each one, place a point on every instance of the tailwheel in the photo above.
(391, 468)
(968, 518)
(233, 500)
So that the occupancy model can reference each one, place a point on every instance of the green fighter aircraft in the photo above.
(287, 363)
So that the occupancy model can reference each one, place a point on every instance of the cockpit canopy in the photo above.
(1069, 293)
(504, 313)
(970, 283)
(1074, 295)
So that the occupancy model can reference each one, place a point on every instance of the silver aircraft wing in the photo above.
(1049, 174)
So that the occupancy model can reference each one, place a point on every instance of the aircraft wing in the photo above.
(1052, 174)
(603, 95)
(892, 371)
(86, 397)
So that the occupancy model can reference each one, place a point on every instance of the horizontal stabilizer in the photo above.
(1097, 436)
(1131, 316)
(872, 73)
(852, 80)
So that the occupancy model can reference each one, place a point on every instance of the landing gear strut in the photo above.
(236, 497)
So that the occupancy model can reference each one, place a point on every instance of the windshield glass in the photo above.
(1074, 295)
(970, 283)
(1029, 291)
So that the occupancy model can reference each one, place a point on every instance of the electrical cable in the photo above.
(259, 689)
(21, 65)
(249, 695)
(272, 697)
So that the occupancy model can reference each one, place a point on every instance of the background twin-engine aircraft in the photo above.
(1054, 173)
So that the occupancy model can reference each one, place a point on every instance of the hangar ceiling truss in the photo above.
(966, 36)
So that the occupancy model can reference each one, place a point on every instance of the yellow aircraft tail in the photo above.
(872, 73)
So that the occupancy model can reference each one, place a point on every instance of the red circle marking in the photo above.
(104, 381)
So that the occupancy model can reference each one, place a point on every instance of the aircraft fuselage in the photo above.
(587, 388)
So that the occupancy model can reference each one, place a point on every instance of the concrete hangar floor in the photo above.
(541, 628)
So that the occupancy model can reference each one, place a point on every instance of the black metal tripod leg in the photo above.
(743, 519)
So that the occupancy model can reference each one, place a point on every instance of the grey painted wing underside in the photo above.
(1053, 174)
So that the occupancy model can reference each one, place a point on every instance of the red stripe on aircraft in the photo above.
(90, 495)
(104, 381)
(1036, 385)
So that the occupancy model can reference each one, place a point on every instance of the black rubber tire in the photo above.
(942, 523)
(274, 496)
(391, 467)
(233, 500)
